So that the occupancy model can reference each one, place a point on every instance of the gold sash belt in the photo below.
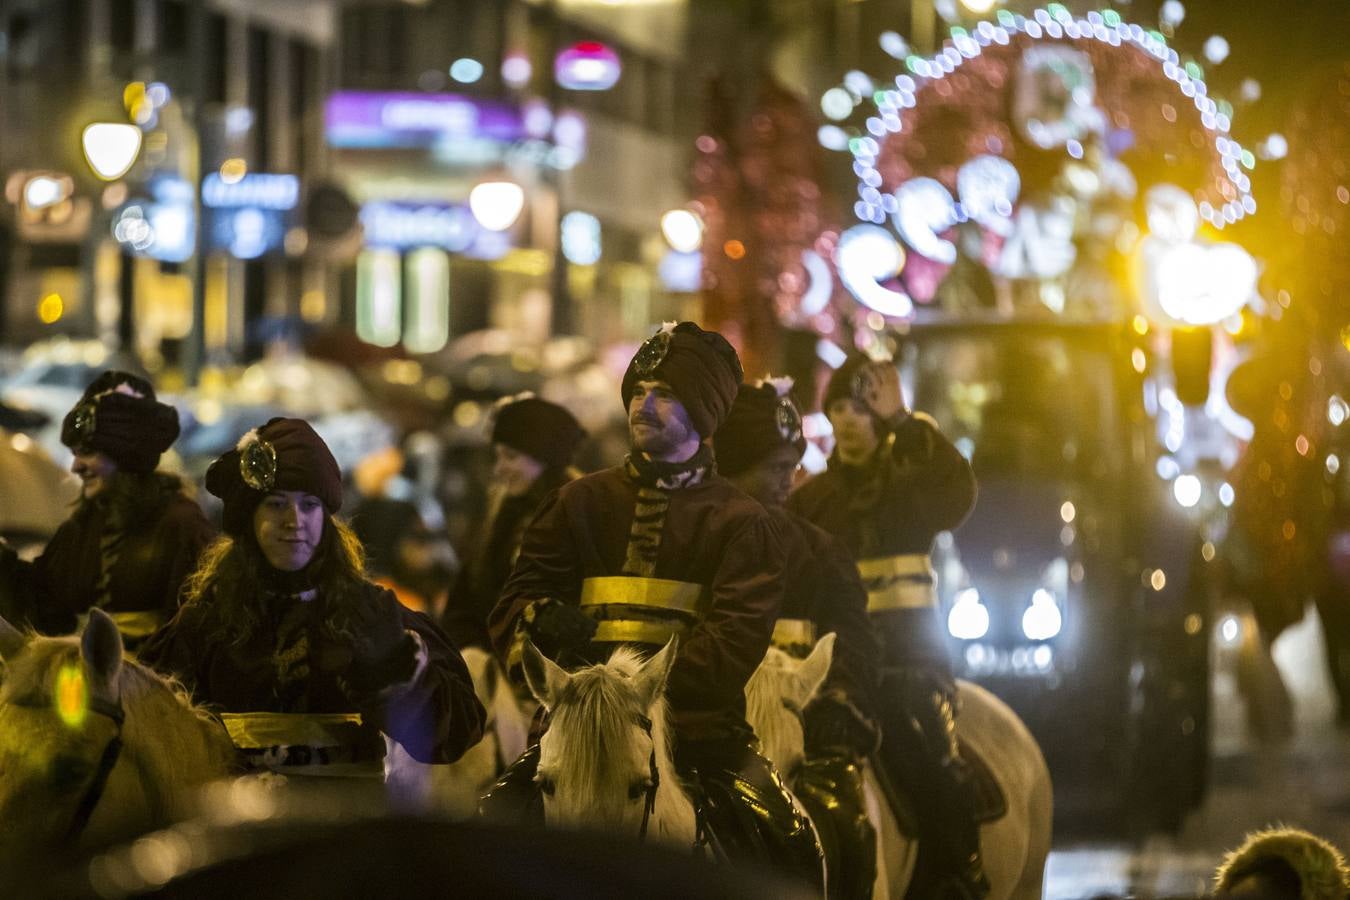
(662, 594)
(789, 634)
(636, 631)
(137, 625)
(898, 582)
(260, 730)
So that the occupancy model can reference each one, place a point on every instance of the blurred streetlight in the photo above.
(683, 230)
(979, 7)
(496, 204)
(110, 148)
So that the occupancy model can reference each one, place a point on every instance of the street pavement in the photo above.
(1303, 781)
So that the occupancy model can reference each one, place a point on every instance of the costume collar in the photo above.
(670, 476)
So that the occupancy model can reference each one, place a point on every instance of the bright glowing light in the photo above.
(924, 208)
(1274, 147)
(1186, 489)
(979, 7)
(581, 238)
(1042, 619)
(233, 170)
(1216, 49)
(466, 70)
(865, 255)
(832, 137)
(1043, 656)
(830, 353)
(587, 66)
(516, 70)
(836, 103)
(1226, 494)
(1203, 284)
(894, 45)
(821, 285)
(379, 297)
(1067, 511)
(1172, 213)
(1230, 630)
(111, 148)
(42, 191)
(51, 308)
(428, 280)
(496, 204)
(1337, 410)
(988, 187)
(1172, 13)
(682, 229)
(968, 619)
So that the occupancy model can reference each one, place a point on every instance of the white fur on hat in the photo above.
(1320, 867)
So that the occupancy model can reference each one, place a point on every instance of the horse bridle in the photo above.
(107, 761)
(655, 781)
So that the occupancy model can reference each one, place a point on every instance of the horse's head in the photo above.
(606, 734)
(776, 695)
(60, 711)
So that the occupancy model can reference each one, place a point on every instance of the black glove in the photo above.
(835, 726)
(557, 627)
(380, 652)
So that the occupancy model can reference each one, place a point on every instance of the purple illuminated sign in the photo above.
(383, 120)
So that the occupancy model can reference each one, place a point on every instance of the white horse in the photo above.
(454, 789)
(65, 780)
(605, 759)
(1015, 846)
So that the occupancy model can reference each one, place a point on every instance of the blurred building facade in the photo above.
(230, 90)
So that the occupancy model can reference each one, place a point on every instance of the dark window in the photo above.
(259, 86)
(122, 26)
(213, 86)
(302, 115)
(173, 25)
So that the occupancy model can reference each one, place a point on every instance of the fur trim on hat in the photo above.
(668, 327)
(781, 384)
(1321, 868)
(250, 437)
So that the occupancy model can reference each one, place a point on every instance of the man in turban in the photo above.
(663, 547)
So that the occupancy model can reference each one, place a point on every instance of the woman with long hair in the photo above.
(279, 617)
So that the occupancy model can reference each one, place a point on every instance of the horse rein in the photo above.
(94, 793)
(655, 782)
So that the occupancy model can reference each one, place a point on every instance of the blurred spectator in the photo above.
(402, 553)
(134, 537)
(1283, 864)
(533, 442)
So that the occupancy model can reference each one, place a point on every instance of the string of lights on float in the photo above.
(1053, 22)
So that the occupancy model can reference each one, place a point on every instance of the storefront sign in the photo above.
(390, 120)
(406, 225)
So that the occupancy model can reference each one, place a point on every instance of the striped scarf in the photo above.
(110, 551)
(655, 481)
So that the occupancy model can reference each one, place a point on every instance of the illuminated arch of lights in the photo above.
(1054, 22)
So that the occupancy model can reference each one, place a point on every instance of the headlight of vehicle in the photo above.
(969, 618)
(1042, 619)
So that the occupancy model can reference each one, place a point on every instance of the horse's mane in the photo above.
(599, 702)
(764, 694)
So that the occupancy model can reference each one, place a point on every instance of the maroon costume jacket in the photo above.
(435, 717)
(712, 535)
(822, 586)
(159, 549)
(916, 486)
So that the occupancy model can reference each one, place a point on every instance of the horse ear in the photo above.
(811, 673)
(12, 640)
(545, 678)
(650, 680)
(101, 647)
